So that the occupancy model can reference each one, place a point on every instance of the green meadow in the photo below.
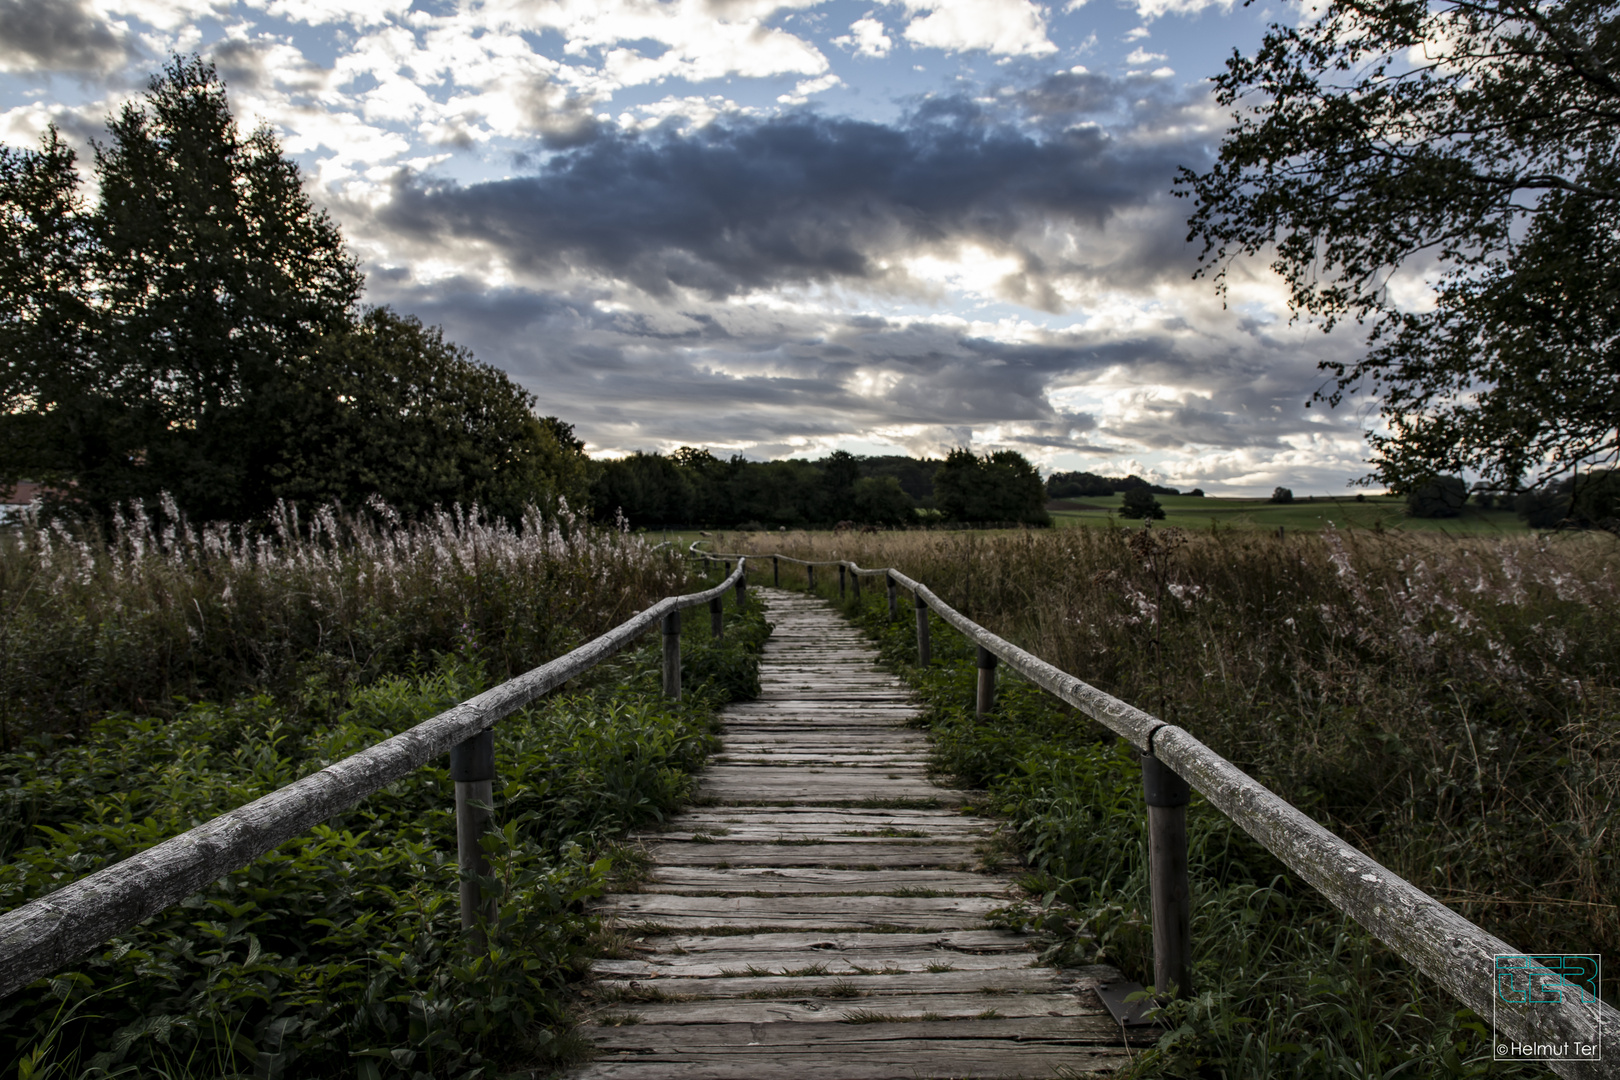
(1307, 513)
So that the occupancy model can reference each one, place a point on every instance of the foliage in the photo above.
(341, 953)
(882, 501)
(389, 407)
(998, 487)
(1282, 495)
(694, 487)
(1399, 690)
(1436, 497)
(1085, 485)
(1581, 501)
(1140, 503)
(1472, 143)
(195, 333)
(161, 609)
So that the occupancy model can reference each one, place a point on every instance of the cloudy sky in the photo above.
(774, 227)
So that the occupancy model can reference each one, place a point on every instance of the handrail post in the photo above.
(810, 575)
(925, 652)
(893, 604)
(472, 767)
(742, 588)
(987, 681)
(840, 581)
(716, 619)
(855, 582)
(672, 656)
(776, 572)
(1167, 795)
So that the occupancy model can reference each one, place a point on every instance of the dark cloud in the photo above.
(748, 204)
(57, 35)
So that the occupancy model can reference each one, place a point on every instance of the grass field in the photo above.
(1310, 514)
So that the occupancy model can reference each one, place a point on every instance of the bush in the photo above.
(1282, 495)
(1438, 497)
(1139, 502)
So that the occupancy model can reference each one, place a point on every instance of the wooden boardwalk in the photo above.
(821, 914)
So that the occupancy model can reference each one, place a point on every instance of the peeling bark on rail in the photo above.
(55, 930)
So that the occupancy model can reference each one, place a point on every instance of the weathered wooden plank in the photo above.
(924, 1061)
(679, 911)
(811, 1009)
(831, 833)
(939, 855)
(792, 880)
(983, 942)
(854, 1039)
(996, 980)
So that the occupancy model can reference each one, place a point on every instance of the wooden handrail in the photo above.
(1420, 929)
(54, 930)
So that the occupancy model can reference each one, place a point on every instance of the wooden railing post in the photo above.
(716, 619)
(855, 583)
(742, 589)
(1167, 796)
(841, 576)
(472, 767)
(810, 574)
(672, 656)
(925, 651)
(776, 572)
(893, 604)
(987, 681)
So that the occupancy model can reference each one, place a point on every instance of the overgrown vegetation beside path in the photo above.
(1448, 706)
(341, 953)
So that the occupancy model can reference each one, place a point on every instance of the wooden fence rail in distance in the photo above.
(53, 931)
(1528, 1003)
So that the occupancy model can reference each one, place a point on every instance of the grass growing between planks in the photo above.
(341, 954)
(1449, 706)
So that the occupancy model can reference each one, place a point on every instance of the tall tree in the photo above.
(999, 487)
(216, 271)
(391, 408)
(53, 396)
(1474, 141)
(196, 332)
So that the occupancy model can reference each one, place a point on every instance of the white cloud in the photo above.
(1142, 56)
(866, 37)
(359, 13)
(1152, 9)
(1137, 34)
(802, 92)
(1003, 27)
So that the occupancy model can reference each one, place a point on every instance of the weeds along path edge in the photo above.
(342, 949)
(1271, 954)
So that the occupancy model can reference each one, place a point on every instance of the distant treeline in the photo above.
(1085, 485)
(693, 487)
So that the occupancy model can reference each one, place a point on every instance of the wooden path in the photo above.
(821, 914)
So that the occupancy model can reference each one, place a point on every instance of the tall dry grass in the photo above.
(160, 609)
(1449, 705)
